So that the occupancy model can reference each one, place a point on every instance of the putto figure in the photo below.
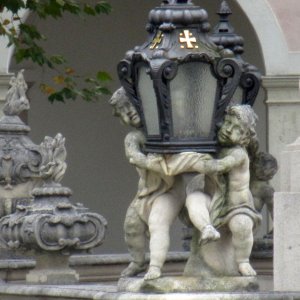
(235, 135)
(221, 198)
(157, 192)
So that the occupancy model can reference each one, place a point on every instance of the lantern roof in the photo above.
(178, 30)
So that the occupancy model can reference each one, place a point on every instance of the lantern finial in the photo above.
(224, 33)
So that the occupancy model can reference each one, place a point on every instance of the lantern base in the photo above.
(178, 147)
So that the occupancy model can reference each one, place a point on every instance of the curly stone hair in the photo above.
(248, 119)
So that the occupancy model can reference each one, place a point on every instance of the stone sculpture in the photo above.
(263, 168)
(47, 224)
(217, 201)
(16, 100)
(20, 158)
(157, 192)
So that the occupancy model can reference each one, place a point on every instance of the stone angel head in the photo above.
(16, 99)
(54, 154)
(123, 108)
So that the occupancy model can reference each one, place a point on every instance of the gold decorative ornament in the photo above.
(157, 40)
(187, 38)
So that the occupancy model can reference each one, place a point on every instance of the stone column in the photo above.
(287, 222)
(283, 102)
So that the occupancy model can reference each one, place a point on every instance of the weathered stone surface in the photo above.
(109, 292)
(186, 284)
(54, 276)
(287, 222)
(287, 242)
(52, 268)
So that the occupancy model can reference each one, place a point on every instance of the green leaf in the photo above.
(72, 8)
(32, 4)
(61, 2)
(57, 59)
(91, 80)
(103, 7)
(58, 96)
(13, 5)
(103, 90)
(53, 9)
(31, 32)
(103, 76)
(69, 93)
(89, 10)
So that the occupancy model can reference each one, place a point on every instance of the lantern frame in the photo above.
(163, 54)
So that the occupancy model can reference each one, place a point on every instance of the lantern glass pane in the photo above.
(237, 97)
(193, 93)
(148, 98)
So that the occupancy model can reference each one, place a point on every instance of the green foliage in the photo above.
(26, 39)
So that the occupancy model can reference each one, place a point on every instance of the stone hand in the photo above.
(154, 162)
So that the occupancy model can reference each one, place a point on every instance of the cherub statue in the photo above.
(54, 154)
(161, 189)
(238, 210)
(16, 100)
(158, 201)
(263, 167)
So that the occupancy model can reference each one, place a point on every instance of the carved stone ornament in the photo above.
(44, 219)
(20, 158)
(52, 223)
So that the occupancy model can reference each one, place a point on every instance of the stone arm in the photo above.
(224, 165)
(134, 142)
(203, 163)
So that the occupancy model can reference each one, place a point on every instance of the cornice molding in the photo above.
(282, 89)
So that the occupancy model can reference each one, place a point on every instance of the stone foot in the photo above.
(246, 269)
(209, 233)
(153, 273)
(133, 269)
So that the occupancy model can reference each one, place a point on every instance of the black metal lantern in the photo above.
(180, 81)
(224, 35)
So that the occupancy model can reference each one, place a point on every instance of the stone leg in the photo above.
(135, 238)
(163, 213)
(241, 227)
(197, 204)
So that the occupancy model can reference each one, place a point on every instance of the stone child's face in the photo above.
(128, 114)
(232, 132)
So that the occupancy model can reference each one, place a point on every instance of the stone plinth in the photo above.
(52, 268)
(186, 284)
(287, 222)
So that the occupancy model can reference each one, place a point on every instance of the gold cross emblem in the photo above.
(157, 40)
(187, 38)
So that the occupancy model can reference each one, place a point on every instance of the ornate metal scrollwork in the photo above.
(251, 82)
(231, 71)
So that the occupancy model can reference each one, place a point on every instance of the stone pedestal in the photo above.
(188, 284)
(52, 268)
(287, 222)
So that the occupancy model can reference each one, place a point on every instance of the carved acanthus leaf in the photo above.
(54, 155)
